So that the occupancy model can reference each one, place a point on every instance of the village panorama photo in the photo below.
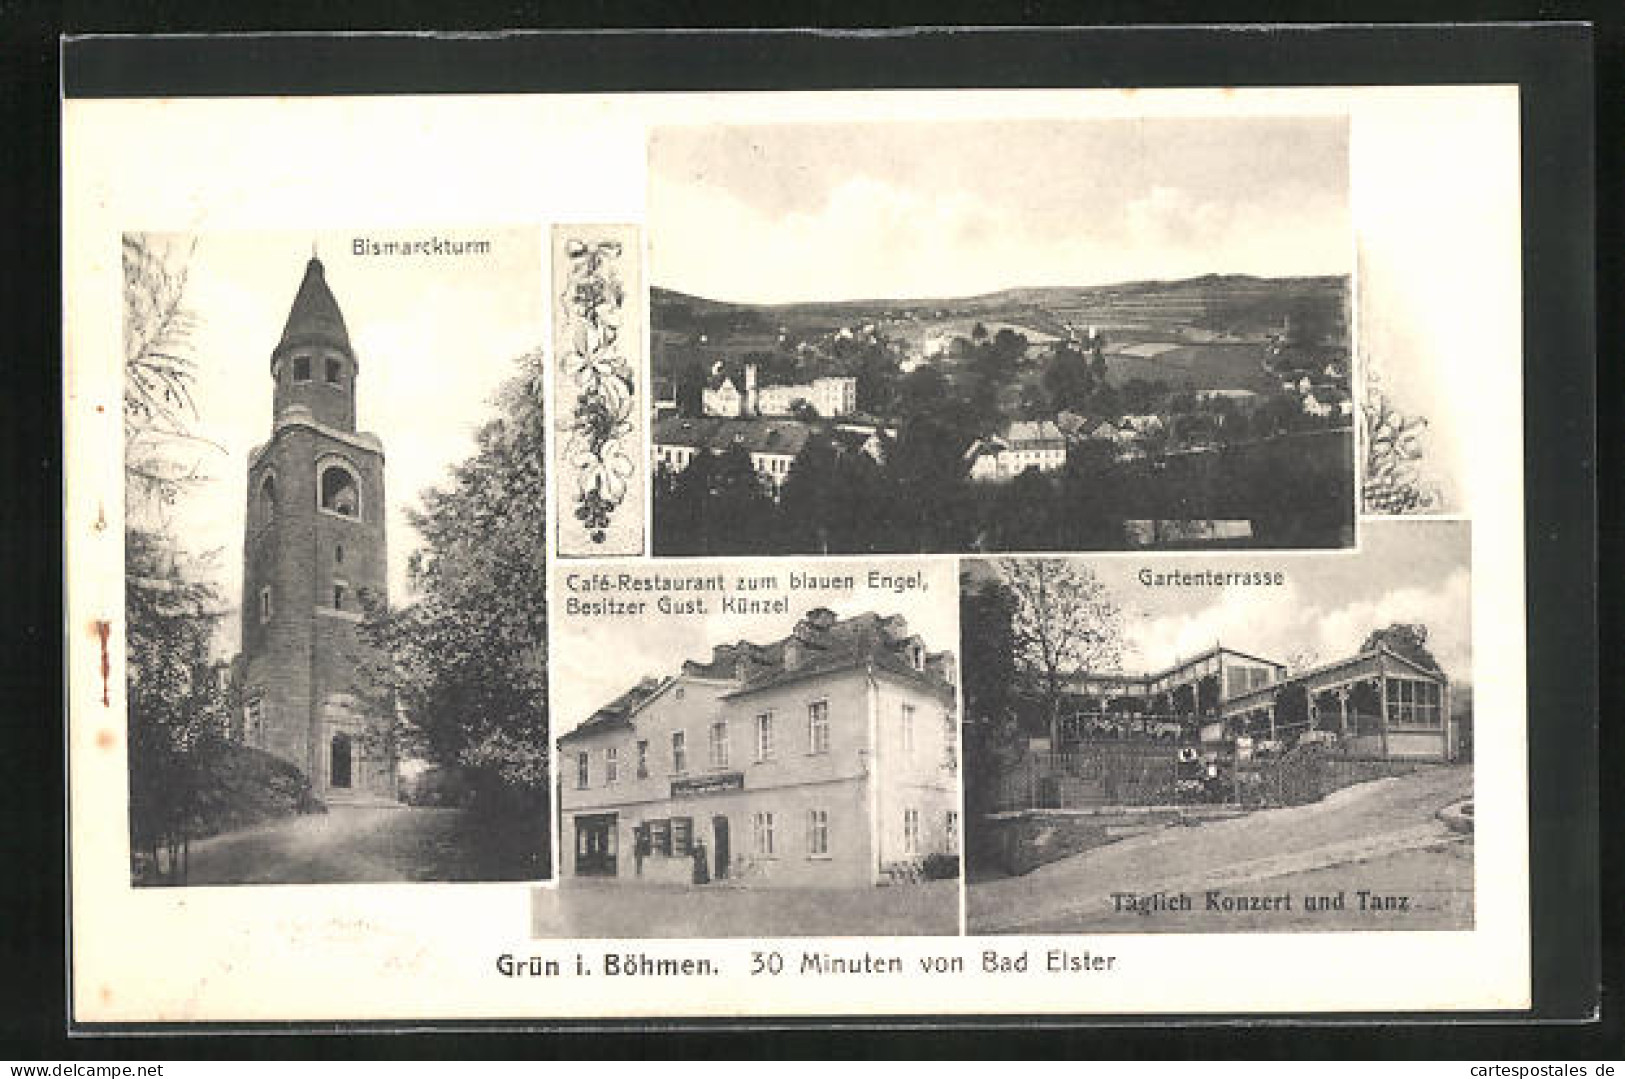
(335, 610)
(1012, 335)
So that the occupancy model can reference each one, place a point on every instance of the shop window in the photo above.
(583, 770)
(818, 727)
(612, 765)
(643, 760)
(764, 736)
(660, 836)
(335, 373)
(719, 744)
(679, 751)
(682, 835)
(817, 832)
(301, 368)
(340, 492)
(911, 831)
(762, 832)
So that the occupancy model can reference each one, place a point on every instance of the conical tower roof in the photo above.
(315, 317)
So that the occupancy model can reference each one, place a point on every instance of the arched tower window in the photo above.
(335, 372)
(340, 493)
(268, 498)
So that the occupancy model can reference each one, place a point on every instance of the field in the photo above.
(1197, 367)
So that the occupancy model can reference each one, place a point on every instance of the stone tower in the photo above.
(313, 552)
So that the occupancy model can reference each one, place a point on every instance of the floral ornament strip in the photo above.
(1394, 481)
(598, 380)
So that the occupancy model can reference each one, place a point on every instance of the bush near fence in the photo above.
(1143, 774)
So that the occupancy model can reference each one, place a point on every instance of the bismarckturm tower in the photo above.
(313, 548)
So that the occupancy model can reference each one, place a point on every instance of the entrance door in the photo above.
(595, 846)
(719, 843)
(339, 772)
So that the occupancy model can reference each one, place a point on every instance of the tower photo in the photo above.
(334, 676)
(314, 552)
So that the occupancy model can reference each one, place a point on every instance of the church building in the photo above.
(313, 548)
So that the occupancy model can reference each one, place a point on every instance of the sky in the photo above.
(779, 213)
(434, 338)
(657, 645)
(1404, 571)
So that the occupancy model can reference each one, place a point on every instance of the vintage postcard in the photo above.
(889, 554)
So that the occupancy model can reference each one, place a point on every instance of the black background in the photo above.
(1553, 65)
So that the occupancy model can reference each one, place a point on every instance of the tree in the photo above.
(1065, 622)
(464, 666)
(1408, 639)
(1067, 380)
(988, 646)
(177, 701)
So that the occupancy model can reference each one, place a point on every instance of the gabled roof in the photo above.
(315, 317)
(755, 434)
(618, 712)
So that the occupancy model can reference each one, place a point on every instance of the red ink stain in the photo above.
(104, 739)
(103, 628)
(106, 995)
(101, 408)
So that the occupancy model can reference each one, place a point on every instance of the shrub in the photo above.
(940, 866)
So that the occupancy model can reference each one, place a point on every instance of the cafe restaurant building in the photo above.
(829, 758)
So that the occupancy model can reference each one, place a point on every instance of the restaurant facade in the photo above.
(829, 758)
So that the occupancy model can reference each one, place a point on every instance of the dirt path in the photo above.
(1358, 824)
(348, 844)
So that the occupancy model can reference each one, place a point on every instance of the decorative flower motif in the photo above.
(602, 419)
(1393, 482)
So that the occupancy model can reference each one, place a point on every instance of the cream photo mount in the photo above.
(1433, 169)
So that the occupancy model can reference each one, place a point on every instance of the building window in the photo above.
(338, 554)
(908, 728)
(911, 831)
(340, 493)
(818, 727)
(612, 765)
(335, 373)
(950, 742)
(679, 751)
(643, 760)
(1414, 703)
(338, 596)
(265, 605)
(719, 744)
(764, 736)
(682, 835)
(583, 770)
(817, 832)
(950, 830)
(762, 829)
(301, 368)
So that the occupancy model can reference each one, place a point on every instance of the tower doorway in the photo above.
(339, 770)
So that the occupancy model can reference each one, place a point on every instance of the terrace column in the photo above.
(1342, 710)
(1270, 712)
(1382, 695)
